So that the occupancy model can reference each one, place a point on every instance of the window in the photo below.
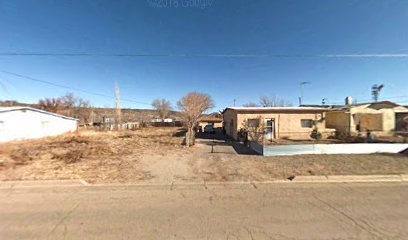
(45, 124)
(253, 122)
(306, 123)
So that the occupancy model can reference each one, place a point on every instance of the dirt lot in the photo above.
(157, 155)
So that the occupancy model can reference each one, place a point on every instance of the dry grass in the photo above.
(221, 167)
(71, 155)
(157, 155)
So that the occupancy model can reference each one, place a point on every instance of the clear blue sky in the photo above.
(292, 28)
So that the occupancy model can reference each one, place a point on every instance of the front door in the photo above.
(270, 129)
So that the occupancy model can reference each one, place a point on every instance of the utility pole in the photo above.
(118, 105)
(301, 91)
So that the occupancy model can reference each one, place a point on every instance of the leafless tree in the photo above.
(250, 104)
(273, 101)
(51, 104)
(192, 107)
(68, 105)
(163, 107)
(255, 128)
(84, 111)
(69, 100)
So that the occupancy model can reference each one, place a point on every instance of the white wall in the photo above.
(28, 124)
(346, 148)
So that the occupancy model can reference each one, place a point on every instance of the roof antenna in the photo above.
(301, 92)
(375, 91)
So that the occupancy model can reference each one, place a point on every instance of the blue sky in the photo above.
(304, 32)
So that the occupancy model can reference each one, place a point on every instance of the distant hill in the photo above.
(129, 115)
(12, 103)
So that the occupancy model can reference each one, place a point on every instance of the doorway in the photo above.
(270, 129)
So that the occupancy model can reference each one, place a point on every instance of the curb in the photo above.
(41, 183)
(351, 178)
(297, 179)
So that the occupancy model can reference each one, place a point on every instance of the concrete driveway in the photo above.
(263, 211)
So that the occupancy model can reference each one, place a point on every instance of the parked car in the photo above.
(209, 129)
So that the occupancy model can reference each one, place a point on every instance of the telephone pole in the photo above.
(118, 105)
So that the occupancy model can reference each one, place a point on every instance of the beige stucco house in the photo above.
(381, 118)
(210, 120)
(279, 122)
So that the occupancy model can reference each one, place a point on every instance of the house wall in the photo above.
(230, 123)
(215, 124)
(339, 120)
(287, 125)
(387, 121)
(28, 124)
(378, 121)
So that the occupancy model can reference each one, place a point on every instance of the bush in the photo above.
(316, 134)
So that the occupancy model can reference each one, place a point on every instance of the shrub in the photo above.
(316, 134)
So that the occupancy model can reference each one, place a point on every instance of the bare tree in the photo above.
(163, 107)
(192, 107)
(255, 128)
(51, 104)
(69, 102)
(83, 110)
(68, 105)
(273, 101)
(250, 104)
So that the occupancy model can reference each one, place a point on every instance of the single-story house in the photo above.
(18, 123)
(277, 122)
(380, 118)
(215, 122)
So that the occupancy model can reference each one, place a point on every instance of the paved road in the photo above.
(263, 211)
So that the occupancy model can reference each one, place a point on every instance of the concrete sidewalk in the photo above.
(295, 179)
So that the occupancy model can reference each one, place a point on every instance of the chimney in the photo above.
(348, 101)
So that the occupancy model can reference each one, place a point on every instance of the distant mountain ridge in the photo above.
(128, 114)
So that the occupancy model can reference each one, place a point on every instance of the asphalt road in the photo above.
(263, 211)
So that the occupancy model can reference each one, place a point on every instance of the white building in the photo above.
(17, 123)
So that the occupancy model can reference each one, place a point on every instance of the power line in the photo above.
(69, 88)
(180, 55)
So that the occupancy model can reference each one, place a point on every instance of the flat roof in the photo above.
(210, 119)
(276, 109)
(8, 109)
